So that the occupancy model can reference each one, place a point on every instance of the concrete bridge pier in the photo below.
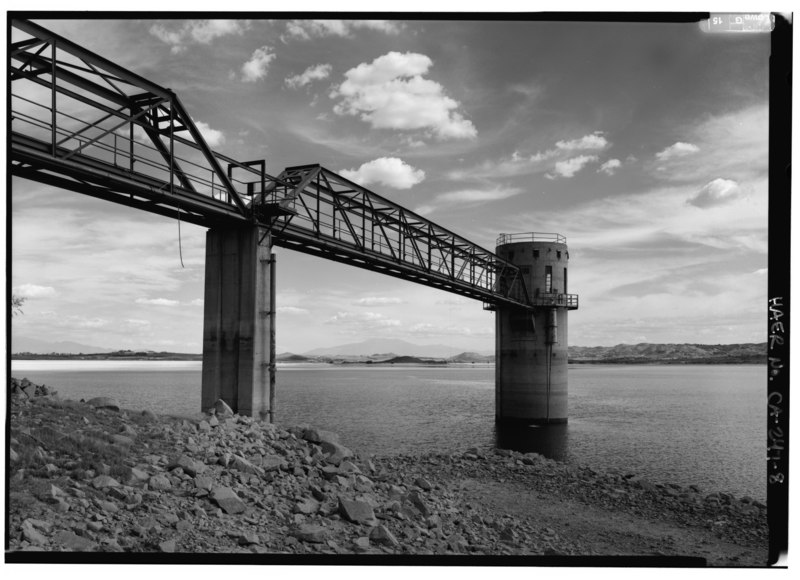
(239, 321)
(531, 348)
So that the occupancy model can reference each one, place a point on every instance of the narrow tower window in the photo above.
(536, 253)
(548, 278)
(565, 281)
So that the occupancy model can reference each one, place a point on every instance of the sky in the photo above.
(644, 144)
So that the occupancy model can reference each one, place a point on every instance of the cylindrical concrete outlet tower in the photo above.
(531, 347)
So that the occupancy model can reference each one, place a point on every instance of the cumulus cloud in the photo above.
(388, 171)
(569, 167)
(33, 291)
(679, 149)
(378, 301)
(196, 31)
(157, 301)
(716, 192)
(257, 67)
(390, 93)
(213, 137)
(307, 29)
(610, 166)
(313, 73)
(595, 141)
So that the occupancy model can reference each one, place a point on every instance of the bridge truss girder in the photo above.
(332, 217)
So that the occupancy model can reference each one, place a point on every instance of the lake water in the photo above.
(685, 424)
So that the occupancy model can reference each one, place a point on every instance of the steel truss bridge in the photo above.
(82, 123)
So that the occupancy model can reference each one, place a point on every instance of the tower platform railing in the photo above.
(569, 301)
(530, 237)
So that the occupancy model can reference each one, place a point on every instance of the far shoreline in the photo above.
(386, 363)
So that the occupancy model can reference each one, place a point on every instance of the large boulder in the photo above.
(109, 403)
(104, 481)
(311, 533)
(227, 499)
(382, 535)
(313, 435)
(222, 410)
(189, 465)
(356, 511)
(335, 453)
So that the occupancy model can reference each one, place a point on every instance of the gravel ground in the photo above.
(126, 486)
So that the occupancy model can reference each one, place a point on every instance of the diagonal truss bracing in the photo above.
(333, 217)
(83, 123)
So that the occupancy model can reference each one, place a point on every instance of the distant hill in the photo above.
(387, 346)
(290, 357)
(414, 360)
(21, 344)
(671, 353)
(471, 357)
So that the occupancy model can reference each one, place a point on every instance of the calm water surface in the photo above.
(687, 424)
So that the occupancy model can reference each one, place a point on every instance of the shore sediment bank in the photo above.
(96, 479)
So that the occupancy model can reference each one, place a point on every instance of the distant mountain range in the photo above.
(387, 347)
(400, 351)
(670, 353)
(35, 346)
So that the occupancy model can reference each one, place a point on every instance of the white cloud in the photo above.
(679, 149)
(734, 144)
(136, 323)
(157, 301)
(313, 73)
(204, 31)
(515, 165)
(716, 192)
(468, 197)
(388, 171)
(33, 291)
(213, 137)
(570, 167)
(390, 93)
(257, 67)
(291, 310)
(478, 195)
(197, 31)
(610, 166)
(307, 29)
(378, 301)
(197, 302)
(595, 141)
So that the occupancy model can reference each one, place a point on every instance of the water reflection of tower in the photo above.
(531, 348)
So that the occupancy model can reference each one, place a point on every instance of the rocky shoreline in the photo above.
(93, 482)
